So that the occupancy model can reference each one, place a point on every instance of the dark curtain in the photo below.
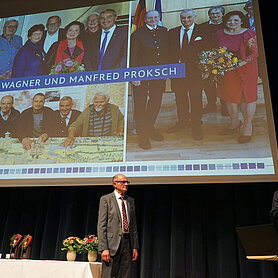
(184, 230)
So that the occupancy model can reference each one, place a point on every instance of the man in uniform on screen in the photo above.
(101, 118)
(109, 47)
(149, 47)
(8, 117)
(35, 122)
(63, 118)
(117, 230)
(9, 46)
(53, 32)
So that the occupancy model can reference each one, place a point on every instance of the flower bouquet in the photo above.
(72, 243)
(25, 245)
(15, 240)
(67, 66)
(217, 61)
(90, 243)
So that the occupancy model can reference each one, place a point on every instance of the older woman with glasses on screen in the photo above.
(30, 59)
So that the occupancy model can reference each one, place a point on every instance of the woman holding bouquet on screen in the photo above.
(69, 55)
(238, 86)
(30, 59)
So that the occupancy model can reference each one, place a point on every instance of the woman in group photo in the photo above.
(30, 59)
(69, 53)
(238, 87)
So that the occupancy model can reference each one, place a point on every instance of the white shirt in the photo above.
(5, 117)
(109, 35)
(67, 119)
(189, 33)
(150, 27)
(119, 201)
(49, 40)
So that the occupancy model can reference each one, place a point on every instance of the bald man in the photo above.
(117, 230)
(8, 116)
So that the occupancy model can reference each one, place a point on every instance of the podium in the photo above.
(259, 242)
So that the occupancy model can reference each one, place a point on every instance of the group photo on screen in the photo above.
(216, 112)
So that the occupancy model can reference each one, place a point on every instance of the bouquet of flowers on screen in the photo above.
(217, 61)
(67, 66)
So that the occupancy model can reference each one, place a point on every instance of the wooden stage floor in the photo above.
(181, 146)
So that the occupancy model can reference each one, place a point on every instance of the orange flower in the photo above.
(210, 62)
(229, 63)
(214, 71)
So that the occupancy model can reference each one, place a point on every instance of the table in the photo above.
(48, 269)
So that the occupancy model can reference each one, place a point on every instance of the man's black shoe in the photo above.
(155, 135)
(144, 142)
(197, 133)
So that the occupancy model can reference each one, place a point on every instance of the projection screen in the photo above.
(78, 106)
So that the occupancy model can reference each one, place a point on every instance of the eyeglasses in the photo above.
(123, 182)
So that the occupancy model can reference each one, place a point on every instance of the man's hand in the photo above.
(42, 138)
(134, 254)
(105, 255)
(26, 143)
(136, 83)
(5, 75)
(68, 142)
(119, 132)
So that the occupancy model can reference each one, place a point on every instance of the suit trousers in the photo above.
(186, 89)
(147, 102)
(119, 265)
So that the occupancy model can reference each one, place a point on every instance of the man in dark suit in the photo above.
(187, 41)
(274, 210)
(117, 231)
(8, 116)
(53, 32)
(63, 118)
(109, 48)
(149, 47)
(35, 122)
(210, 28)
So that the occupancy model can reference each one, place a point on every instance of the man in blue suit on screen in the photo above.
(109, 49)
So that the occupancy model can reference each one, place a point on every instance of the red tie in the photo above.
(125, 223)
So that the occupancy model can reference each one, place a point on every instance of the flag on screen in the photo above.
(157, 7)
(138, 20)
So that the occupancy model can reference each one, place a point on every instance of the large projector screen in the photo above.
(78, 106)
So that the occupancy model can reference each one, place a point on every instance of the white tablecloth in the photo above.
(48, 269)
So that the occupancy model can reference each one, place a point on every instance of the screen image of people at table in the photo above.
(63, 114)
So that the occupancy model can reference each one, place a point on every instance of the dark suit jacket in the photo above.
(10, 125)
(26, 122)
(149, 48)
(110, 224)
(190, 56)
(115, 55)
(58, 128)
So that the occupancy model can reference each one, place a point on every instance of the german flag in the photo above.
(138, 20)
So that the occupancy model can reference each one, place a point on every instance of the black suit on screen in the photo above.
(192, 82)
(115, 55)
(148, 48)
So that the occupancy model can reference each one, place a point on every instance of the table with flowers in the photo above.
(48, 269)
